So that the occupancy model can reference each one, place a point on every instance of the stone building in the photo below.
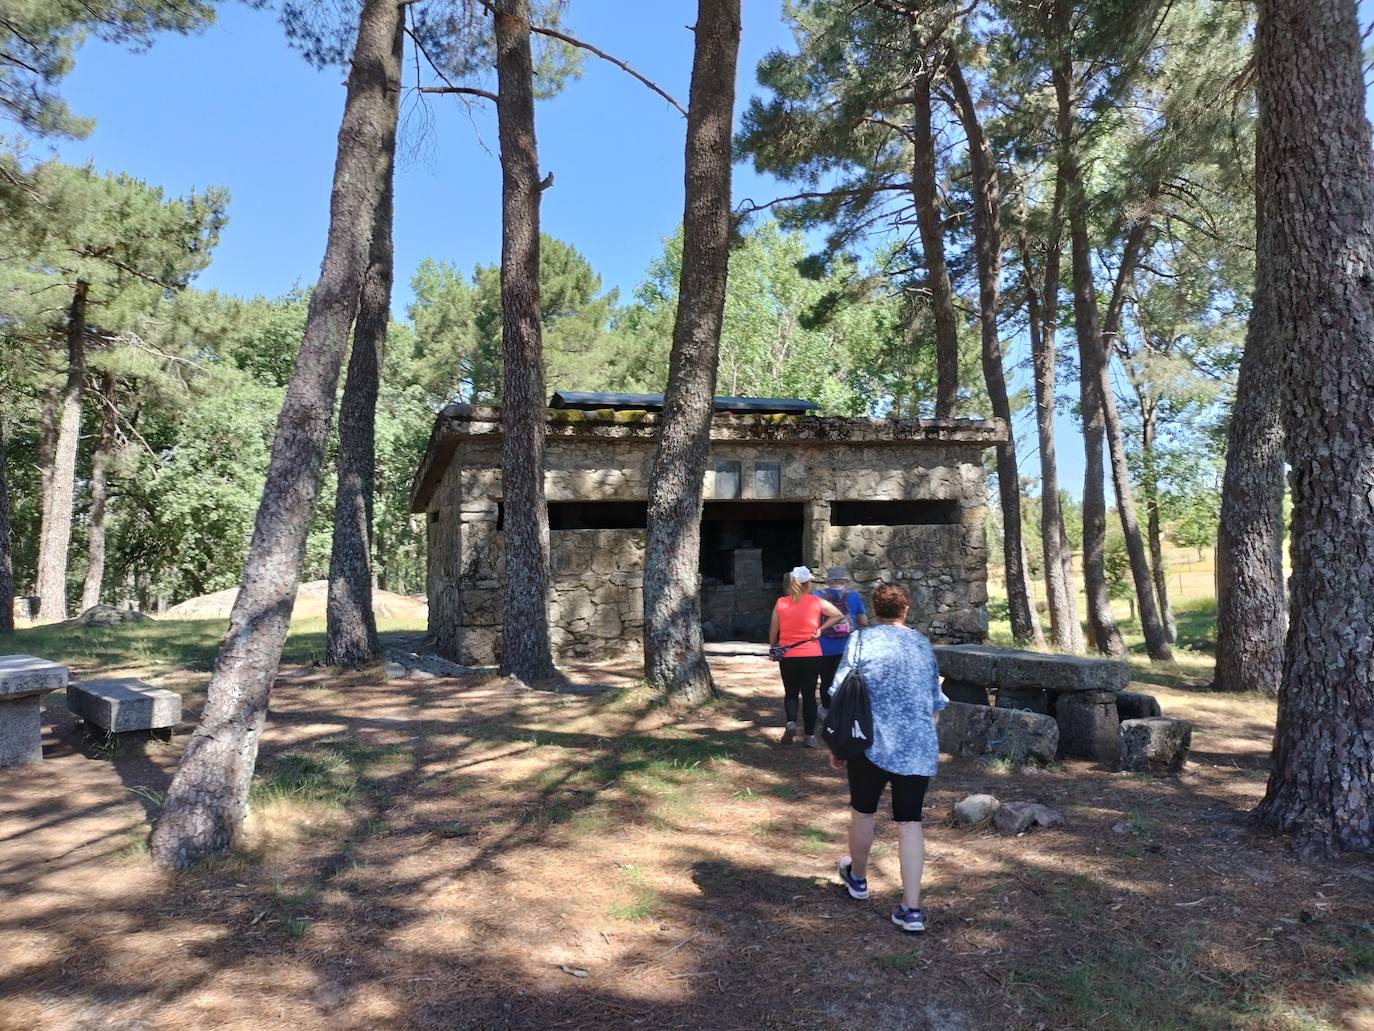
(889, 499)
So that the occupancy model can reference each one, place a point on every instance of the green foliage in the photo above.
(38, 41)
(834, 339)
(457, 348)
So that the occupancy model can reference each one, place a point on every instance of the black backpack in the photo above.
(848, 728)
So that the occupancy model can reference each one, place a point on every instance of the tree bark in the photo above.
(987, 246)
(1252, 601)
(525, 650)
(1086, 327)
(207, 800)
(674, 657)
(95, 564)
(55, 536)
(1316, 246)
(6, 545)
(1148, 416)
(47, 447)
(350, 623)
(1066, 633)
(931, 224)
(1156, 643)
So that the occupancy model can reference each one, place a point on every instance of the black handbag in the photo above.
(778, 652)
(848, 727)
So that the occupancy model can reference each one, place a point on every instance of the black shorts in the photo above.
(866, 783)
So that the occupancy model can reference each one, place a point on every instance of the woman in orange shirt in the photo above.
(798, 619)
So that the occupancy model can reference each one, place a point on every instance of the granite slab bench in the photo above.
(24, 679)
(124, 705)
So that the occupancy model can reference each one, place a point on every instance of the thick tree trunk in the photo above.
(55, 536)
(1252, 600)
(674, 658)
(925, 192)
(1105, 633)
(208, 797)
(1066, 633)
(1152, 520)
(1317, 248)
(47, 447)
(1156, 642)
(987, 246)
(350, 623)
(6, 545)
(100, 460)
(525, 650)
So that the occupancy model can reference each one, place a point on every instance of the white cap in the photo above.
(801, 574)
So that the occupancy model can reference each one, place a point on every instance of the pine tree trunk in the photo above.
(674, 657)
(525, 650)
(1252, 599)
(350, 623)
(47, 447)
(1152, 522)
(987, 246)
(1065, 632)
(1317, 249)
(1105, 633)
(1156, 643)
(56, 533)
(1079, 642)
(208, 797)
(925, 192)
(95, 565)
(6, 545)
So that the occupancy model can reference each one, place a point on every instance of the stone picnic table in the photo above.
(1086, 697)
(24, 679)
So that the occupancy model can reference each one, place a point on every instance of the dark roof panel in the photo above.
(589, 401)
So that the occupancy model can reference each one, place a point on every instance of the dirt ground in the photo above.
(453, 853)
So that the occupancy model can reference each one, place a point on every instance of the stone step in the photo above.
(125, 704)
(983, 730)
(1019, 670)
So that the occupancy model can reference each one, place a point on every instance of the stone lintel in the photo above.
(468, 422)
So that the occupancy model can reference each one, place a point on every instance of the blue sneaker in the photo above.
(913, 920)
(856, 886)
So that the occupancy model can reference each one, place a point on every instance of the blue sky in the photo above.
(236, 106)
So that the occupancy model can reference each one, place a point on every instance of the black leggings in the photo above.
(830, 665)
(799, 677)
(866, 783)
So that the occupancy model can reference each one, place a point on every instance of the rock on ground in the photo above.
(1155, 745)
(1017, 817)
(106, 615)
(976, 810)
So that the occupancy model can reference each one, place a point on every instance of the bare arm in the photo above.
(832, 616)
(773, 627)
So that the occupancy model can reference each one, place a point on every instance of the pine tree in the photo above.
(674, 655)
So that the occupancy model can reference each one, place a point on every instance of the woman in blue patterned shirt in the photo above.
(898, 665)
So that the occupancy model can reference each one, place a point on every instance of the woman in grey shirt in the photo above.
(898, 665)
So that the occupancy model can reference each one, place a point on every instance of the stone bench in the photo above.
(24, 679)
(983, 730)
(1079, 693)
(125, 705)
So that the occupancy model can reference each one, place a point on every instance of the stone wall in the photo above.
(595, 595)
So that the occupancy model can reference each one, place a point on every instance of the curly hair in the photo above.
(889, 600)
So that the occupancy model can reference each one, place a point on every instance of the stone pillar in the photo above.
(1089, 727)
(816, 535)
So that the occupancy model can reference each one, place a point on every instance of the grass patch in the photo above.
(814, 839)
(327, 774)
(899, 961)
(640, 900)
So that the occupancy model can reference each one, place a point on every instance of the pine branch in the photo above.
(544, 30)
